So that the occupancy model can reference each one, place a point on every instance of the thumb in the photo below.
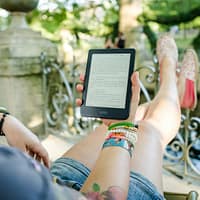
(135, 95)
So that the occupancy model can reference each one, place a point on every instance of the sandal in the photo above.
(166, 46)
(188, 80)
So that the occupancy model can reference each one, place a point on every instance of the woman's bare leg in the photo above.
(158, 127)
(160, 122)
(87, 150)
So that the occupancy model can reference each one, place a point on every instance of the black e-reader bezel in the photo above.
(104, 112)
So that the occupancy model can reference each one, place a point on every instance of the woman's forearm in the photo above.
(110, 176)
(11, 125)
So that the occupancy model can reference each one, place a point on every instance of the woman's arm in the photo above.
(109, 178)
(19, 136)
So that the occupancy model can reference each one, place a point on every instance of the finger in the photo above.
(46, 161)
(38, 158)
(79, 87)
(79, 102)
(135, 87)
(45, 157)
(82, 77)
(31, 153)
(41, 151)
(34, 157)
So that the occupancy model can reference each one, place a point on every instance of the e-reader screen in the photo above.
(108, 81)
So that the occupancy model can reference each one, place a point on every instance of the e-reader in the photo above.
(107, 85)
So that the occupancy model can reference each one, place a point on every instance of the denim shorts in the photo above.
(73, 174)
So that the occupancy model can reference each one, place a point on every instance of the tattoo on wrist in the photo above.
(112, 193)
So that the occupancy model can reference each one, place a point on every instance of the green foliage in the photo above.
(111, 20)
(165, 13)
(78, 18)
(171, 12)
(170, 7)
(51, 21)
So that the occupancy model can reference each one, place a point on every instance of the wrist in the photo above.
(121, 134)
(3, 115)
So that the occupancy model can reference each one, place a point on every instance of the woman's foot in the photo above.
(187, 83)
(166, 46)
(166, 51)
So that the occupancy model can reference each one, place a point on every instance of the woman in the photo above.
(106, 166)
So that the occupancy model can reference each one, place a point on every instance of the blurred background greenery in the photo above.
(84, 24)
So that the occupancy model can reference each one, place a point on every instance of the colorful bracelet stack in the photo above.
(122, 134)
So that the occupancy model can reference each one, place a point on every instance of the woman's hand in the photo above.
(19, 136)
(134, 100)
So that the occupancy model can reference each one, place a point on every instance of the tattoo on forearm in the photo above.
(113, 193)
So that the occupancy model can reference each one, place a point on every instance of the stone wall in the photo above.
(21, 83)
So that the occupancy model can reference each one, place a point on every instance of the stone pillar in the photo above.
(21, 88)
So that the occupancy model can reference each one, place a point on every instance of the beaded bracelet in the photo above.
(122, 130)
(130, 137)
(1, 124)
(125, 132)
(126, 128)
